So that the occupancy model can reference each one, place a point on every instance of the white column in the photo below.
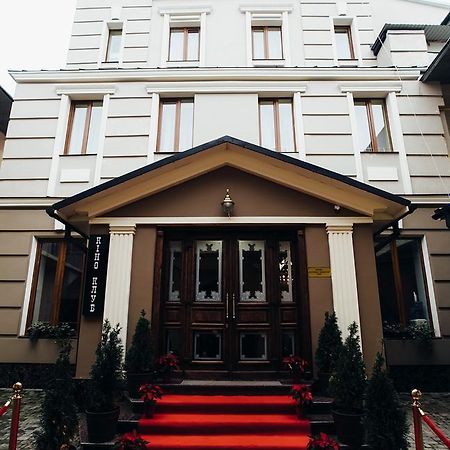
(117, 294)
(343, 276)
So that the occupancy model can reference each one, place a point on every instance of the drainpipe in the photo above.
(54, 214)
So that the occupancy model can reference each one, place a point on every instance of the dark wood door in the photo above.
(231, 301)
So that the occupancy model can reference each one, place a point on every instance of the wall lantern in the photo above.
(443, 213)
(228, 204)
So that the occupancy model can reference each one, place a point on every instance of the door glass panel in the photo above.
(175, 271)
(252, 278)
(208, 345)
(287, 344)
(208, 257)
(253, 346)
(173, 341)
(285, 265)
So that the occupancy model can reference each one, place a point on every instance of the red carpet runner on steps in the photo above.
(207, 422)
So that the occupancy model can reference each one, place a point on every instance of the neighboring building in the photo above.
(5, 109)
(336, 162)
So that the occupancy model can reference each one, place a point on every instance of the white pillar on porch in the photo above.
(343, 276)
(119, 276)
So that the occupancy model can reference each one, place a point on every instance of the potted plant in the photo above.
(347, 385)
(139, 357)
(302, 395)
(103, 413)
(150, 394)
(329, 348)
(130, 441)
(297, 366)
(323, 442)
(166, 365)
(385, 418)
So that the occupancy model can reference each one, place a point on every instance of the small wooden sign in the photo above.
(319, 272)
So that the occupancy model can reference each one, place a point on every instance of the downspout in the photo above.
(54, 214)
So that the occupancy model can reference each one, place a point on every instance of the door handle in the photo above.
(234, 306)
(226, 306)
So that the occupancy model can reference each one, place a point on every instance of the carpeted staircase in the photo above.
(207, 422)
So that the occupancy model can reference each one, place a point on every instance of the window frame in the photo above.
(345, 29)
(111, 31)
(186, 31)
(59, 278)
(86, 128)
(265, 29)
(276, 117)
(176, 140)
(371, 125)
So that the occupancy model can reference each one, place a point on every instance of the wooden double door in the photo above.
(233, 300)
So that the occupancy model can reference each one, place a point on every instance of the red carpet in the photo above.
(193, 422)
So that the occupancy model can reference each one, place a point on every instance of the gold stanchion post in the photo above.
(16, 399)
(417, 418)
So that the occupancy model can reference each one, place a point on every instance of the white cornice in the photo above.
(438, 3)
(369, 87)
(222, 73)
(255, 8)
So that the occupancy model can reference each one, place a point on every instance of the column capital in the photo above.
(339, 228)
(122, 229)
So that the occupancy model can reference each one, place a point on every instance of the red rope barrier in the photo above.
(4, 408)
(445, 440)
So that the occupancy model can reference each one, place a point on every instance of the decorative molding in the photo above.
(371, 87)
(183, 10)
(223, 87)
(88, 92)
(122, 229)
(261, 8)
(133, 221)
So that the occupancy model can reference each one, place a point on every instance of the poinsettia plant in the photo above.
(131, 441)
(150, 393)
(168, 362)
(302, 395)
(323, 442)
(296, 364)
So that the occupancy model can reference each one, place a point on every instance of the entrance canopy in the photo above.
(325, 185)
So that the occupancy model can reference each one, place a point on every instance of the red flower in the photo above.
(150, 393)
(296, 364)
(168, 361)
(322, 442)
(301, 393)
(131, 441)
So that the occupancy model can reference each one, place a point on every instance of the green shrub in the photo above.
(329, 346)
(139, 357)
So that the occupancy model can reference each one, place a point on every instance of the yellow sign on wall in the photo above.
(319, 272)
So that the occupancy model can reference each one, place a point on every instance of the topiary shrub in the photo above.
(385, 418)
(139, 357)
(329, 346)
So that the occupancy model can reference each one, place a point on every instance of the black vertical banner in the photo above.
(96, 270)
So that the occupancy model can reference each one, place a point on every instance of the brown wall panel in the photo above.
(90, 333)
(442, 293)
(25, 220)
(369, 303)
(12, 293)
(421, 219)
(9, 321)
(141, 288)
(13, 268)
(444, 322)
(253, 196)
(438, 242)
(440, 267)
(15, 243)
(320, 290)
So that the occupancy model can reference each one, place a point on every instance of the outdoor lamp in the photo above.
(227, 204)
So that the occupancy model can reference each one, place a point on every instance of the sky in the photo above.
(34, 34)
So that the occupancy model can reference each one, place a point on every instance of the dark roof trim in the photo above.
(433, 33)
(439, 69)
(251, 147)
(446, 21)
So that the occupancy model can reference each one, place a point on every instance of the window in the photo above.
(344, 45)
(401, 283)
(267, 43)
(57, 282)
(373, 126)
(276, 124)
(184, 44)
(83, 127)
(114, 45)
(176, 125)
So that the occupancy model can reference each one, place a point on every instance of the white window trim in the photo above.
(430, 287)
(388, 92)
(299, 128)
(28, 286)
(275, 15)
(180, 17)
(154, 121)
(111, 25)
(351, 22)
(69, 94)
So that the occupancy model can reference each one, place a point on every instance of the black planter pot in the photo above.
(101, 426)
(136, 380)
(349, 428)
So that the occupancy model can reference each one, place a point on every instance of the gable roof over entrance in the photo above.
(227, 151)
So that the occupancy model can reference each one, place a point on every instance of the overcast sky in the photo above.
(34, 34)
